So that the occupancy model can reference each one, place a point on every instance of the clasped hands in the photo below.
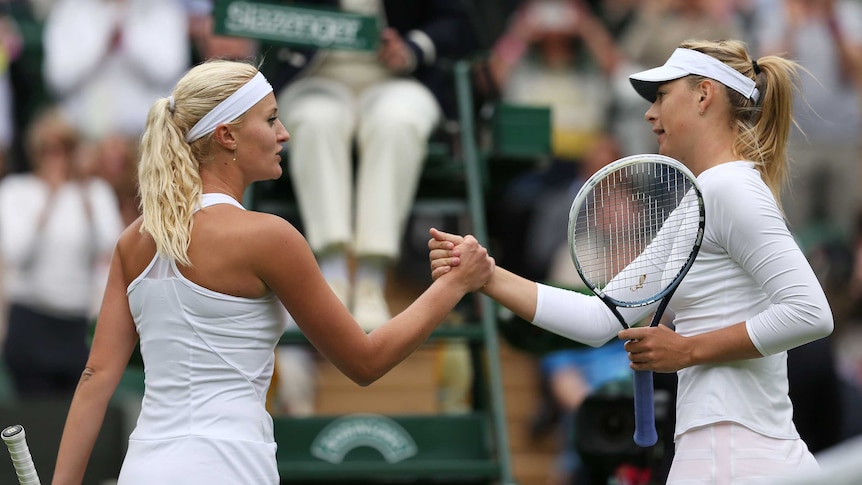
(448, 251)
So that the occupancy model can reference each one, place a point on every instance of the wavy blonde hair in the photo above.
(169, 178)
(763, 128)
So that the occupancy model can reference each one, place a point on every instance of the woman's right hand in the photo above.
(462, 256)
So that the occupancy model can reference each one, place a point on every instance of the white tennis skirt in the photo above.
(197, 460)
(730, 454)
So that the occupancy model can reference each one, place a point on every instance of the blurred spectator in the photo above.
(651, 32)
(554, 53)
(825, 36)
(58, 227)
(106, 61)
(548, 233)
(386, 105)
(10, 49)
(39, 8)
(14, 51)
(206, 44)
(617, 38)
(25, 73)
(116, 162)
(659, 26)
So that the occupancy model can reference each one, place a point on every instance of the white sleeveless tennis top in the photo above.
(208, 360)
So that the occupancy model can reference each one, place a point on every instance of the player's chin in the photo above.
(664, 149)
(273, 174)
(277, 172)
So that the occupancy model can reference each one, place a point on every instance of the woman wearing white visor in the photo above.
(750, 295)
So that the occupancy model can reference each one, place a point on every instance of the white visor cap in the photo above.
(684, 62)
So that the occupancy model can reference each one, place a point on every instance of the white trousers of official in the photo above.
(391, 122)
(730, 454)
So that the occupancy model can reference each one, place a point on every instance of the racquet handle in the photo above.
(645, 433)
(16, 441)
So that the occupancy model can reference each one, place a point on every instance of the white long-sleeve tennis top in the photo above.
(749, 269)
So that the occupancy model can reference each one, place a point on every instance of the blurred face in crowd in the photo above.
(117, 157)
(52, 147)
(555, 24)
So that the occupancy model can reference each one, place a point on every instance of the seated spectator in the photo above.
(116, 161)
(386, 105)
(58, 226)
(554, 53)
(825, 36)
(107, 61)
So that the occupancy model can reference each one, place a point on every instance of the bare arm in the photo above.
(510, 290)
(287, 265)
(849, 54)
(514, 292)
(112, 346)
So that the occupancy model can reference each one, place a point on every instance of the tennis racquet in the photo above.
(16, 441)
(635, 228)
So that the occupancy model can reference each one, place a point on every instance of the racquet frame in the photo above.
(645, 431)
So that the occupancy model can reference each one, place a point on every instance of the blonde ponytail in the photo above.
(169, 173)
(763, 128)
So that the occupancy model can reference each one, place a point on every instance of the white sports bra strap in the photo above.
(213, 198)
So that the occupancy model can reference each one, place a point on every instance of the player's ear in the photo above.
(705, 91)
(225, 136)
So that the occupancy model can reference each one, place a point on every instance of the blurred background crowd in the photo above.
(77, 78)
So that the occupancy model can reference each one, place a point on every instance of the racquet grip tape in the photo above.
(645, 433)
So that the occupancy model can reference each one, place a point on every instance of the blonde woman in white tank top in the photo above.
(201, 282)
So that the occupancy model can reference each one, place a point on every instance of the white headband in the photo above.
(684, 62)
(231, 108)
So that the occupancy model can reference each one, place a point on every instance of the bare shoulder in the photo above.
(274, 251)
(265, 233)
(132, 238)
(135, 250)
(242, 236)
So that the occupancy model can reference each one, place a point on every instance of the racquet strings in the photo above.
(640, 206)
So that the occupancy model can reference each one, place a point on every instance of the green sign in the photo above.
(344, 434)
(296, 24)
